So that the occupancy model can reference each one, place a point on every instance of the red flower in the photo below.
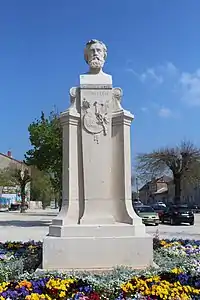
(94, 296)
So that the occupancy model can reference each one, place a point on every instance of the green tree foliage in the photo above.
(41, 187)
(46, 153)
(183, 162)
(20, 176)
(6, 178)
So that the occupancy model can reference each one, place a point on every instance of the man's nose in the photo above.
(95, 51)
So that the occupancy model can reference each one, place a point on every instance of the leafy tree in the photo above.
(183, 162)
(14, 175)
(6, 178)
(41, 187)
(46, 153)
(22, 177)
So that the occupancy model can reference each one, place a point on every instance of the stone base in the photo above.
(109, 246)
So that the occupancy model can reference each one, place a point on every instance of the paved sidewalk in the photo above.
(32, 225)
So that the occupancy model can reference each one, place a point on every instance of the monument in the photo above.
(97, 227)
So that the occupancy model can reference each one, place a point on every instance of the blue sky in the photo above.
(153, 55)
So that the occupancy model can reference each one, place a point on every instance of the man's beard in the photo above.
(96, 63)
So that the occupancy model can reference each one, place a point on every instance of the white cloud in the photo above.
(184, 86)
(168, 69)
(148, 74)
(165, 112)
(156, 74)
(151, 74)
(130, 70)
(144, 109)
(190, 87)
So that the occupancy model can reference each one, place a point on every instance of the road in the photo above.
(184, 231)
(34, 226)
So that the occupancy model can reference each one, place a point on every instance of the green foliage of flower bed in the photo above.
(178, 276)
(17, 258)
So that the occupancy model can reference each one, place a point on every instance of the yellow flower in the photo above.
(176, 271)
(156, 278)
(163, 243)
(3, 286)
(10, 245)
(162, 289)
(127, 287)
(62, 294)
(59, 284)
(33, 296)
(48, 297)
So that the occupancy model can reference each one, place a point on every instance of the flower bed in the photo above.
(173, 285)
(178, 253)
(177, 278)
(17, 258)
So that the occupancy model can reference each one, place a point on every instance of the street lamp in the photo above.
(137, 189)
(22, 174)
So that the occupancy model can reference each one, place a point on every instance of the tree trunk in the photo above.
(23, 199)
(60, 200)
(56, 203)
(177, 186)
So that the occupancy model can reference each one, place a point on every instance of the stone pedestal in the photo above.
(96, 247)
(97, 227)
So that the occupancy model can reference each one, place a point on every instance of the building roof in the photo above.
(163, 178)
(11, 158)
(161, 190)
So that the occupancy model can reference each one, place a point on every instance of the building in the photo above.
(6, 160)
(162, 189)
(190, 193)
(155, 190)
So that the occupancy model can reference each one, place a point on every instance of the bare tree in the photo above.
(133, 179)
(183, 162)
(135, 185)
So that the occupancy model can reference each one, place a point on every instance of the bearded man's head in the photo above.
(95, 54)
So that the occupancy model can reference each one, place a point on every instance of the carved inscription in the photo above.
(96, 86)
(92, 93)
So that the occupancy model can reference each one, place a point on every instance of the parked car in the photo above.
(3, 208)
(148, 215)
(160, 209)
(136, 202)
(17, 206)
(4, 204)
(195, 208)
(177, 214)
(161, 203)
